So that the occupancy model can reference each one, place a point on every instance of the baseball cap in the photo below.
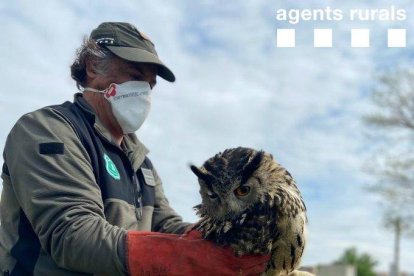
(126, 42)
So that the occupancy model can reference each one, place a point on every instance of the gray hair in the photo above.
(90, 51)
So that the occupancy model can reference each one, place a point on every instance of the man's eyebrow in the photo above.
(133, 70)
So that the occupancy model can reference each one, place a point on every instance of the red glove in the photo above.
(151, 253)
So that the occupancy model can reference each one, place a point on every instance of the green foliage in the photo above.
(364, 263)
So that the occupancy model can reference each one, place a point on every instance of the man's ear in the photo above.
(91, 69)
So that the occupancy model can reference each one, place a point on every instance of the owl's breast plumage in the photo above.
(252, 232)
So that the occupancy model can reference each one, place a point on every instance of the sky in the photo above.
(234, 88)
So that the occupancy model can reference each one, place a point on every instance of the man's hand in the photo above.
(151, 253)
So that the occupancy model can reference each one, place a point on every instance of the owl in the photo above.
(252, 204)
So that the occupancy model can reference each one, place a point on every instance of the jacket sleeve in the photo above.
(165, 219)
(54, 183)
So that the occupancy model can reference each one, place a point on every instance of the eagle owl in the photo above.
(252, 204)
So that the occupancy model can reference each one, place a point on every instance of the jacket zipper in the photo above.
(138, 197)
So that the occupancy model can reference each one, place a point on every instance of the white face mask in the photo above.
(130, 102)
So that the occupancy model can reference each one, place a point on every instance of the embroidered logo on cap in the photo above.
(105, 40)
(111, 168)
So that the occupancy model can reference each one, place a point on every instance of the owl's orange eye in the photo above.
(242, 191)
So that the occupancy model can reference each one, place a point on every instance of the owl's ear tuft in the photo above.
(200, 174)
(196, 171)
(250, 167)
(208, 166)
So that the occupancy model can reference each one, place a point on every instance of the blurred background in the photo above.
(340, 119)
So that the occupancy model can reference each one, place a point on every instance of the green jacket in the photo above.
(55, 218)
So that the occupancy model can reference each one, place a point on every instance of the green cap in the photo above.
(126, 42)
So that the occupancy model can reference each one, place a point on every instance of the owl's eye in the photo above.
(242, 190)
(212, 195)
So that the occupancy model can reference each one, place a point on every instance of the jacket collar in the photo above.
(133, 148)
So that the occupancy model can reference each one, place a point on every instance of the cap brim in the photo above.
(140, 55)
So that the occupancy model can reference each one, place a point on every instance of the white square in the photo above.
(360, 38)
(285, 38)
(322, 38)
(397, 38)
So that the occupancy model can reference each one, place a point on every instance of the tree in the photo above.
(364, 263)
(391, 126)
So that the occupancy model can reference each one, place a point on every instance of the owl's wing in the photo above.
(288, 244)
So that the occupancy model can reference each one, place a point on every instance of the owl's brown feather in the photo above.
(269, 219)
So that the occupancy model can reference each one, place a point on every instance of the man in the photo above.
(77, 184)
